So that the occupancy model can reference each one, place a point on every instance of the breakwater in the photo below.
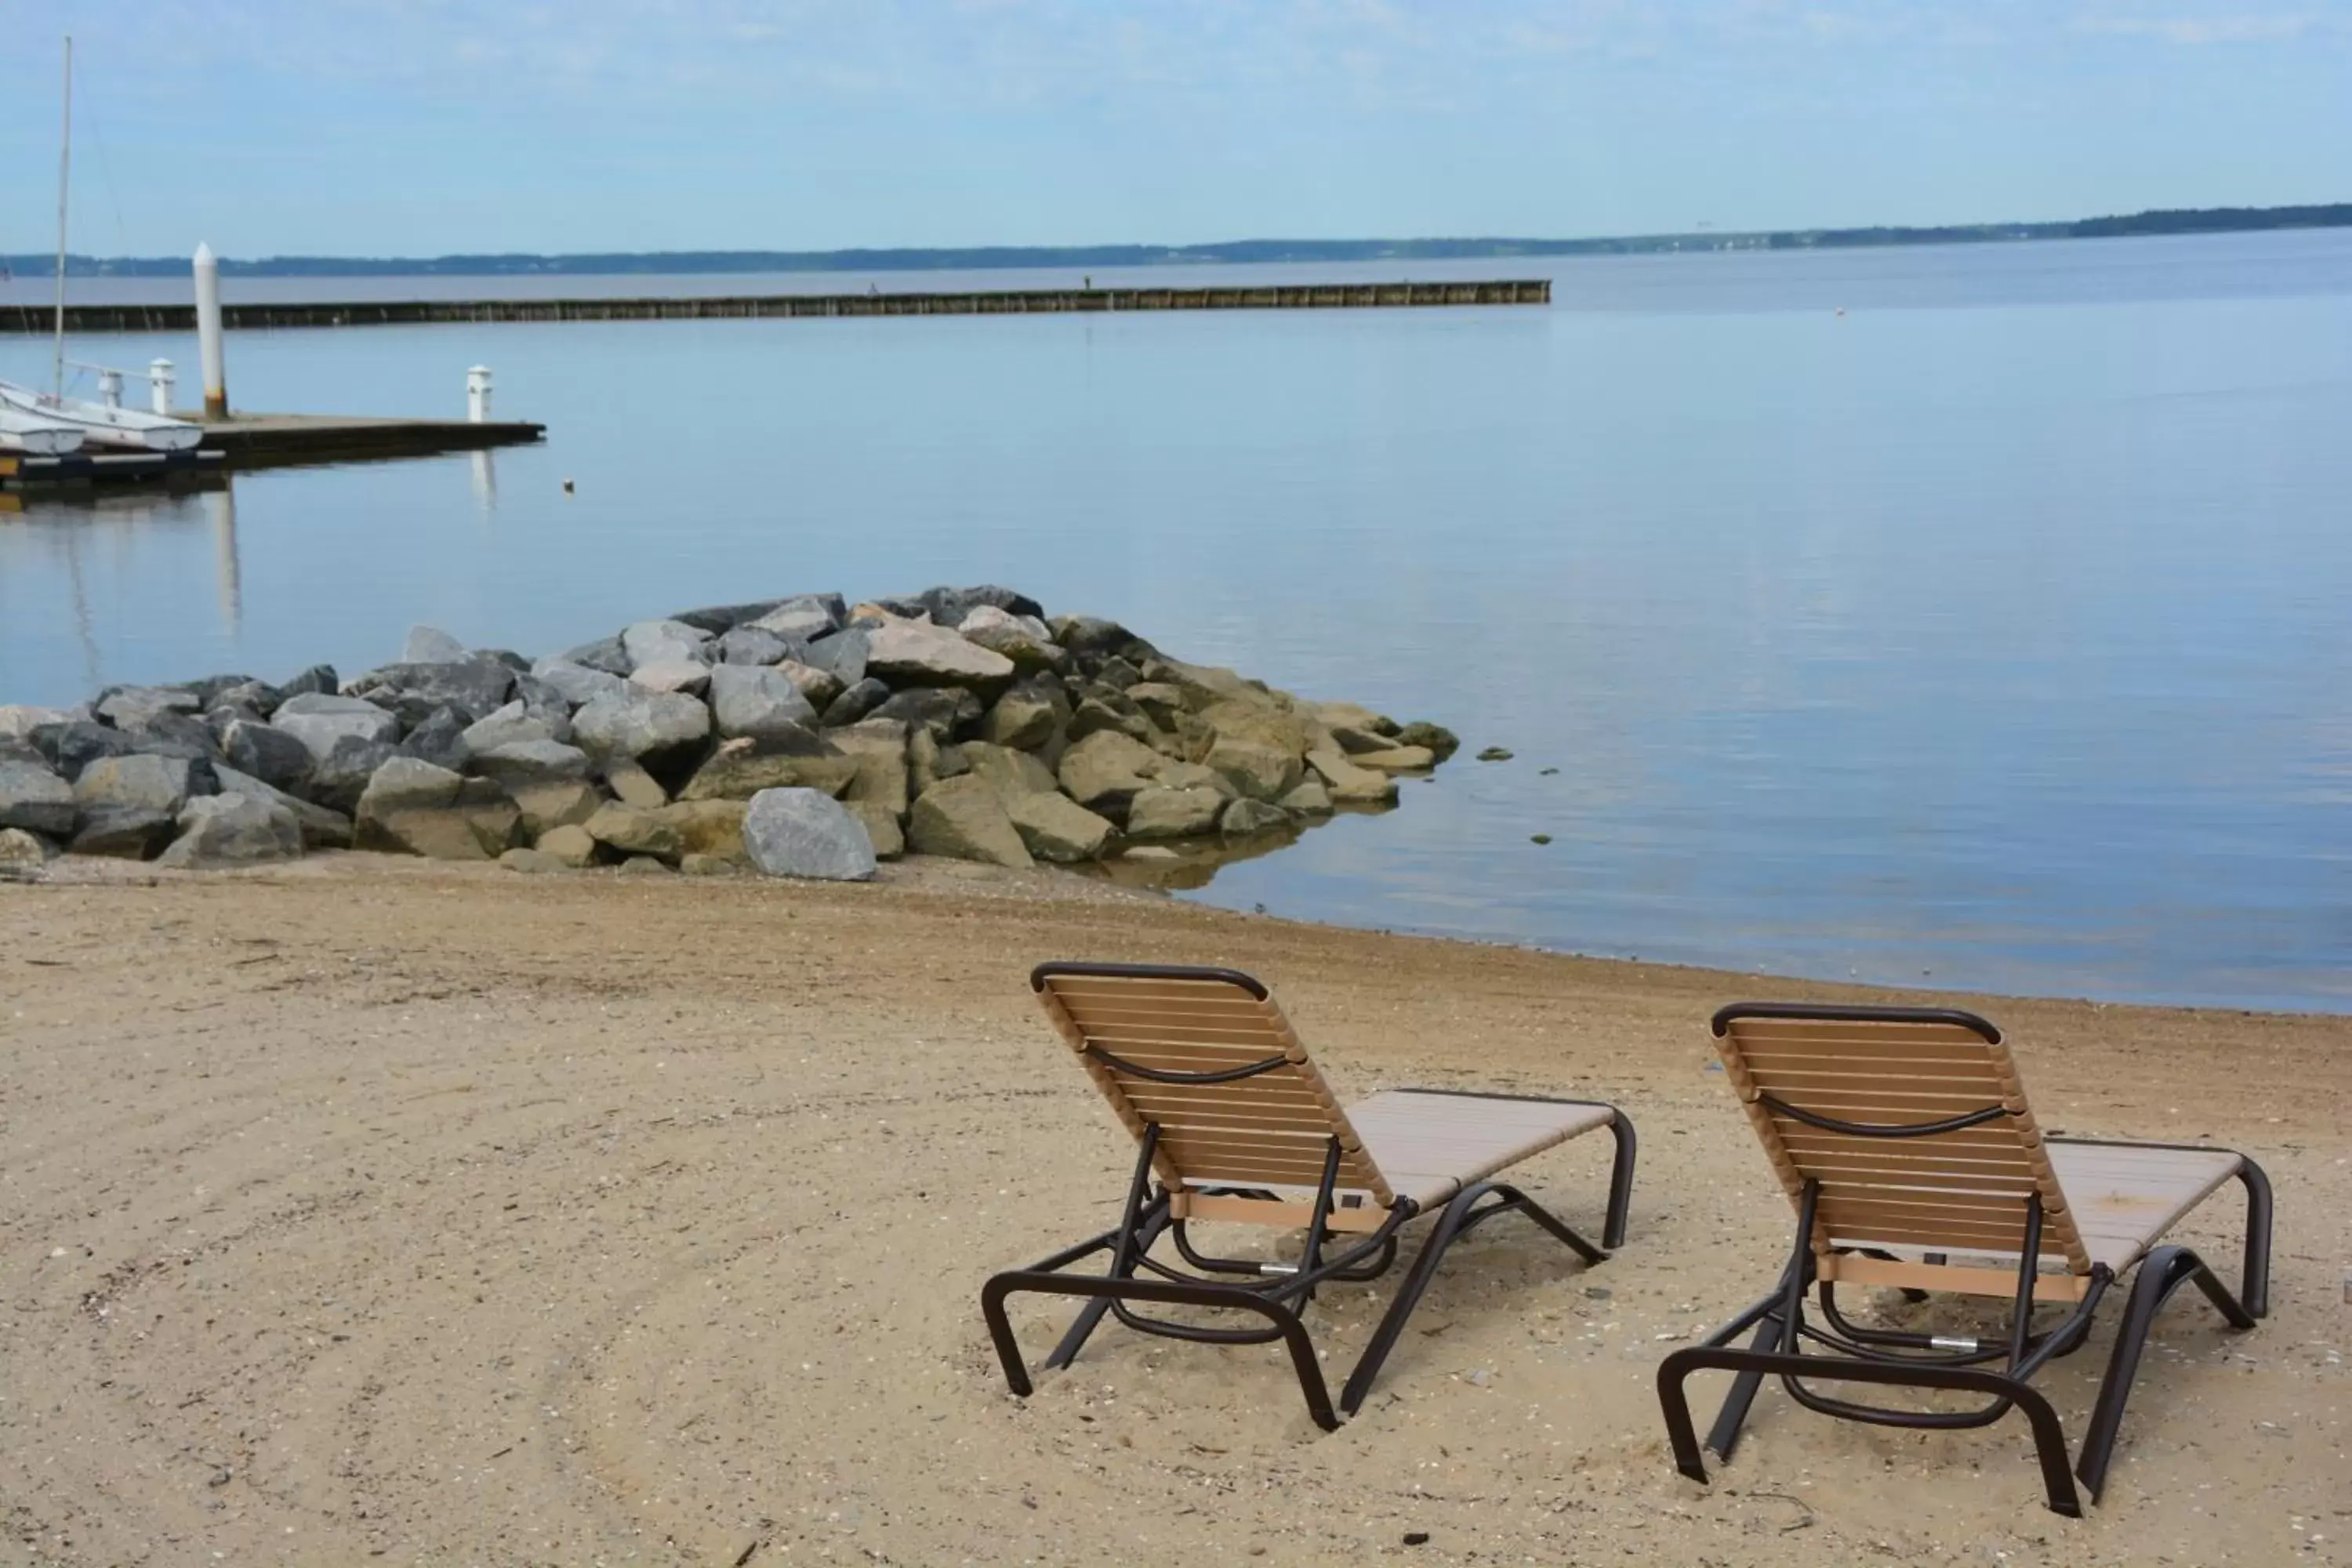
(31, 319)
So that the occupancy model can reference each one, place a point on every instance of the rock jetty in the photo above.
(804, 737)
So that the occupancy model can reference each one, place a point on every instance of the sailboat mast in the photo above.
(65, 171)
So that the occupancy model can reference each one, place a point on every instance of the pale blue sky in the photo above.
(419, 126)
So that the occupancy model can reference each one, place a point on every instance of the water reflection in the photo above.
(485, 483)
(221, 504)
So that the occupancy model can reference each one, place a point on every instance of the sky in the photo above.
(426, 127)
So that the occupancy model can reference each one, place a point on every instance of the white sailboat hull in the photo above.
(102, 425)
(37, 438)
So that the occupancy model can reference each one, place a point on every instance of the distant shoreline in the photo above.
(2206, 220)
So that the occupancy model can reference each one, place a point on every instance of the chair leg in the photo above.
(1621, 1183)
(1090, 1316)
(2165, 1270)
(1724, 1437)
(2254, 1285)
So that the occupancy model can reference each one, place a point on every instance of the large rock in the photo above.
(579, 683)
(709, 827)
(319, 680)
(1024, 640)
(72, 746)
(133, 707)
(949, 607)
(879, 747)
(806, 833)
(234, 830)
(18, 722)
(319, 721)
(749, 645)
(719, 619)
(1193, 775)
(1309, 799)
(1263, 722)
(843, 653)
(1254, 768)
(429, 645)
(1159, 813)
(1107, 770)
(1055, 828)
(245, 698)
(929, 760)
(513, 725)
(690, 676)
(657, 642)
(175, 734)
(630, 784)
(962, 818)
(1025, 718)
(745, 700)
(276, 756)
(439, 740)
(413, 807)
(1007, 772)
(1245, 817)
(545, 704)
(949, 712)
(857, 703)
(547, 780)
(883, 829)
(642, 725)
(572, 845)
(339, 778)
(908, 653)
(320, 828)
(741, 769)
(634, 832)
(36, 799)
(605, 656)
(820, 686)
(1095, 714)
(478, 684)
(542, 808)
(1441, 742)
(1091, 634)
(1397, 760)
(801, 619)
(129, 806)
(1348, 783)
(22, 855)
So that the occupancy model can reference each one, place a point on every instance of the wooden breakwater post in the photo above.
(1009, 303)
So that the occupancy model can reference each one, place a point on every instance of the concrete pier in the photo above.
(1024, 301)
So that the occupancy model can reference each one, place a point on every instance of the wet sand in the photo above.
(378, 1211)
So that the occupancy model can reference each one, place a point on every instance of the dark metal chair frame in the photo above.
(1278, 1292)
(1859, 1354)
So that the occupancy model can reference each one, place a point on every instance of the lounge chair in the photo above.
(1234, 1124)
(1906, 1130)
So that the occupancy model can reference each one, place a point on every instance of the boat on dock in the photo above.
(37, 436)
(98, 424)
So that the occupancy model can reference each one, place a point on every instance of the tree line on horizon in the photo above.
(2201, 220)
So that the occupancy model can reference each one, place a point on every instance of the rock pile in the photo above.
(805, 736)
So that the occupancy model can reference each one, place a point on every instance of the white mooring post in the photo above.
(109, 388)
(159, 385)
(208, 334)
(477, 395)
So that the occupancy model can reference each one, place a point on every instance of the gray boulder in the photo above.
(819, 685)
(1254, 768)
(719, 619)
(633, 832)
(511, 725)
(1309, 799)
(1025, 717)
(1091, 634)
(745, 700)
(740, 769)
(412, 807)
(22, 855)
(630, 784)
(129, 806)
(478, 684)
(531, 760)
(234, 830)
(908, 653)
(131, 707)
(660, 642)
(319, 721)
(426, 644)
(1094, 715)
(1055, 828)
(36, 799)
(1162, 813)
(339, 778)
(950, 714)
(320, 828)
(256, 698)
(855, 703)
(641, 725)
(948, 607)
(690, 676)
(267, 752)
(1007, 772)
(440, 740)
(749, 645)
(843, 653)
(806, 833)
(578, 683)
(879, 747)
(319, 680)
(883, 828)
(1441, 742)
(18, 722)
(72, 746)
(605, 654)
(962, 818)
(1022, 639)
(1245, 817)
(803, 618)
(175, 735)
(1107, 770)
(545, 703)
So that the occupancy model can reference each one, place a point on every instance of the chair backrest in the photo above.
(1912, 1119)
(1206, 1056)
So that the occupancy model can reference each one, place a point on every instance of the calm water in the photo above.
(1993, 632)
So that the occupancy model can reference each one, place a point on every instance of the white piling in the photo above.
(109, 388)
(159, 385)
(208, 334)
(477, 395)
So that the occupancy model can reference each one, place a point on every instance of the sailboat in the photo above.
(29, 418)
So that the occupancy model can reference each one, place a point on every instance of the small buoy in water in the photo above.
(1841, 310)
(567, 487)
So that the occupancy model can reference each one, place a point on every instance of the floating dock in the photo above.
(41, 318)
(252, 441)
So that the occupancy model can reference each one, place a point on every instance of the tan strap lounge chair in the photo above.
(1233, 1123)
(1905, 1131)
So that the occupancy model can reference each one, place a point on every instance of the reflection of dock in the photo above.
(267, 441)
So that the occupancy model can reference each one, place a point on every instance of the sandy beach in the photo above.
(376, 1210)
